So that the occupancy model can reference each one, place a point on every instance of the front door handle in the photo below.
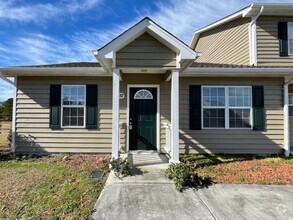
(130, 124)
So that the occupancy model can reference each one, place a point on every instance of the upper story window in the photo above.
(226, 107)
(290, 37)
(73, 105)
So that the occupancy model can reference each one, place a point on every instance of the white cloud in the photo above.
(39, 13)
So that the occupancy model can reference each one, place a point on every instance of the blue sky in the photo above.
(39, 32)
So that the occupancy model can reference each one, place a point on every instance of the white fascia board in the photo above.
(107, 51)
(173, 43)
(237, 72)
(53, 71)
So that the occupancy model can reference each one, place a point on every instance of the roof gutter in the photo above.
(52, 71)
(252, 39)
(205, 71)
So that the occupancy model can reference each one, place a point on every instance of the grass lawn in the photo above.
(49, 187)
(243, 169)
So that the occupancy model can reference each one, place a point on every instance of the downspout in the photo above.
(13, 133)
(252, 39)
(286, 118)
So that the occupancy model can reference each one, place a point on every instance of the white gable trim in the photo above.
(108, 52)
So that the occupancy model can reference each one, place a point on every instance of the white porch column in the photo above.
(286, 120)
(175, 116)
(115, 113)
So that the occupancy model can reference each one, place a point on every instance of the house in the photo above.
(228, 92)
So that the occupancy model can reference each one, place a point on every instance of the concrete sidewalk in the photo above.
(149, 195)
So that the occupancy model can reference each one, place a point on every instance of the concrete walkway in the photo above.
(149, 195)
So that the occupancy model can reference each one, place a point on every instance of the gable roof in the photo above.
(248, 11)
(106, 54)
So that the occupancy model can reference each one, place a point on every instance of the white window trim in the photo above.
(74, 106)
(288, 24)
(227, 107)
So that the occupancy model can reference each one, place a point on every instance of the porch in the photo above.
(148, 108)
(145, 62)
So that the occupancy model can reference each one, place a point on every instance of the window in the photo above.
(73, 105)
(143, 94)
(239, 107)
(226, 107)
(290, 104)
(214, 107)
(290, 37)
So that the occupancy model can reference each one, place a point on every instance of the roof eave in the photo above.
(52, 71)
(237, 71)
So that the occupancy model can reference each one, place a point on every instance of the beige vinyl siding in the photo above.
(225, 44)
(234, 140)
(32, 118)
(268, 42)
(145, 51)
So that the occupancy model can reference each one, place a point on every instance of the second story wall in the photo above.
(268, 42)
(225, 44)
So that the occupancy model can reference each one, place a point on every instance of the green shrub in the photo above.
(120, 167)
(9, 136)
(186, 175)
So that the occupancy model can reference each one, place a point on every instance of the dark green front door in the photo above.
(142, 119)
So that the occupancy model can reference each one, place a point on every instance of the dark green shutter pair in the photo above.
(91, 106)
(195, 107)
(283, 38)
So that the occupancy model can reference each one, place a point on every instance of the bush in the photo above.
(120, 167)
(9, 136)
(186, 175)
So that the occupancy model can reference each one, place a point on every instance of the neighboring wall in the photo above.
(225, 44)
(234, 140)
(268, 42)
(145, 51)
(32, 118)
(5, 127)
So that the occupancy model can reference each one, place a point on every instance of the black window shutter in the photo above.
(258, 108)
(195, 107)
(55, 103)
(283, 38)
(91, 106)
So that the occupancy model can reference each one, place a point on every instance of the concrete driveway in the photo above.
(149, 195)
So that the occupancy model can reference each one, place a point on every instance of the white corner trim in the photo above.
(13, 127)
(286, 116)
(253, 39)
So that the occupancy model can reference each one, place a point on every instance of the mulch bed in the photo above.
(254, 172)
